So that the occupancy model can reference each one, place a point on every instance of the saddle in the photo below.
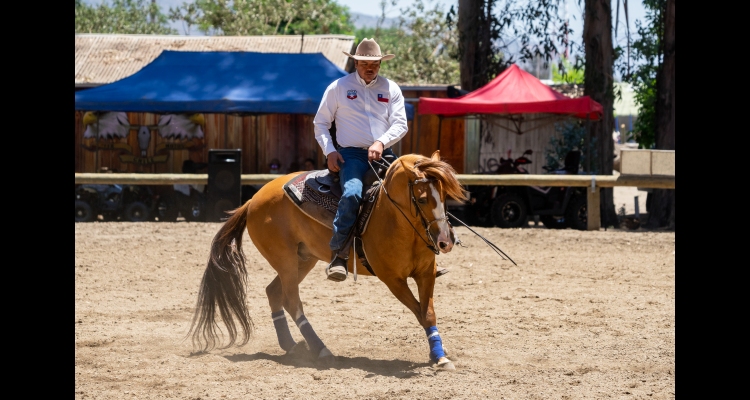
(317, 194)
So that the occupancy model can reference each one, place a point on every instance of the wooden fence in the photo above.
(595, 182)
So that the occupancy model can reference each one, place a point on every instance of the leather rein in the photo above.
(426, 225)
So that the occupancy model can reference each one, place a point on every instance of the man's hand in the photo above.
(375, 151)
(333, 159)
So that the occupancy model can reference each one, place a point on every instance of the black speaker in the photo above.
(224, 182)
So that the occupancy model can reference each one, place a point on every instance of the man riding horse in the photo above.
(370, 118)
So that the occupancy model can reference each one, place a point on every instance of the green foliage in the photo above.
(646, 52)
(538, 29)
(571, 135)
(425, 47)
(122, 16)
(569, 73)
(423, 42)
(265, 17)
(187, 13)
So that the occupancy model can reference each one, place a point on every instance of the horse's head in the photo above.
(421, 185)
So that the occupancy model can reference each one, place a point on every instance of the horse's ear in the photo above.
(436, 155)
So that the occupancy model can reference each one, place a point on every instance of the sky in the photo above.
(575, 11)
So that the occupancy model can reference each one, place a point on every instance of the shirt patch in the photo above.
(352, 94)
(382, 98)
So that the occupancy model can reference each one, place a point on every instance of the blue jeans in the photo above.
(351, 175)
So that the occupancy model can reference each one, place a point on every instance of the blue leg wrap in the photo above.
(436, 344)
(313, 341)
(282, 330)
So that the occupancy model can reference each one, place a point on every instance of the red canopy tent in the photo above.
(513, 95)
(513, 92)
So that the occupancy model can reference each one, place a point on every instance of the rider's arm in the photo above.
(324, 117)
(396, 118)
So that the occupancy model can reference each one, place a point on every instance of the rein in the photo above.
(426, 225)
(430, 245)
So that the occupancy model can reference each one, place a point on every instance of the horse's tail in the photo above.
(223, 287)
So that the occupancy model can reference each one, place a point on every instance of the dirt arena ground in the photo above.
(583, 315)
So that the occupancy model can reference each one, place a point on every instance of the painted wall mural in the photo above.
(111, 131)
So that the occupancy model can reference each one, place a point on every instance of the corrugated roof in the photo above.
(102, 59)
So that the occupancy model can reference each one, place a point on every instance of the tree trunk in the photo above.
(598, 83)
(468, 32)
(662, 204)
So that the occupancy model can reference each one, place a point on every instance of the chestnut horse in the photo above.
(407, 228)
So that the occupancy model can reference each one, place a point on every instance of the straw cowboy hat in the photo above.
(368, 50)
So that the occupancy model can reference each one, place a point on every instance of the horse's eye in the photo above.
(422, 200)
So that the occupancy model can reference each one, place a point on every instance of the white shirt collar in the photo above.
(362, 81)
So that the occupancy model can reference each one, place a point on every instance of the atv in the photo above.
(113, 202)
(512, 206)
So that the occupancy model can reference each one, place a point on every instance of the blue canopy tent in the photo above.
(220, 82)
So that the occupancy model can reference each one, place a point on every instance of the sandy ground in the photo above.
(583, 315)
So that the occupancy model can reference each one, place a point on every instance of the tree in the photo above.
(478, 35)
(423, 41)
(569, 73)
(489, 28)
(647, 55)
(599, 85)
(187, 13)
(426, 46)
(266, 17)
(653, 79)
(122, 16)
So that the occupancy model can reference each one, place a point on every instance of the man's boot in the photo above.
(336, 270)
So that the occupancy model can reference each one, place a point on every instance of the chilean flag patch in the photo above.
(381, 98)
(351, 94)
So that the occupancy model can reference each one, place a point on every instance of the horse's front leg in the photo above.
(423, 310)
(426, 285)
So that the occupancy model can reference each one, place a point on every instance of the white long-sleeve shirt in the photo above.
(363, 113)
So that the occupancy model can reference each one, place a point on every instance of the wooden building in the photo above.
(425, 131)
(288, 138)
(102, 59)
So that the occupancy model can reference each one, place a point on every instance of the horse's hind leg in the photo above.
(275, 300)
(283, 293)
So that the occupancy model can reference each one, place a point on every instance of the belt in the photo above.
(352, 147)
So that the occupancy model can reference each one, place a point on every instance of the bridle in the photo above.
(423, 219)
(426, 225)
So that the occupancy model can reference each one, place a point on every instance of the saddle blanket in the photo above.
(317, 194)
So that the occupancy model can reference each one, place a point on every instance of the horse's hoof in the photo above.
(298, 348)
(445, 364)
(326, 358)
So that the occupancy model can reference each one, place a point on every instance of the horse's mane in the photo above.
(439, 170)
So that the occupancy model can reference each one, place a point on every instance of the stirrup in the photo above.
(337, 273)
(441, 272)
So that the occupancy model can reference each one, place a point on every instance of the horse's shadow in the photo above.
(303, 359)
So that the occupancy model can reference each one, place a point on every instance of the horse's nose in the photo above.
(445, 245)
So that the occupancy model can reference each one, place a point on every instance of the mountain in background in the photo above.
(369, 21)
